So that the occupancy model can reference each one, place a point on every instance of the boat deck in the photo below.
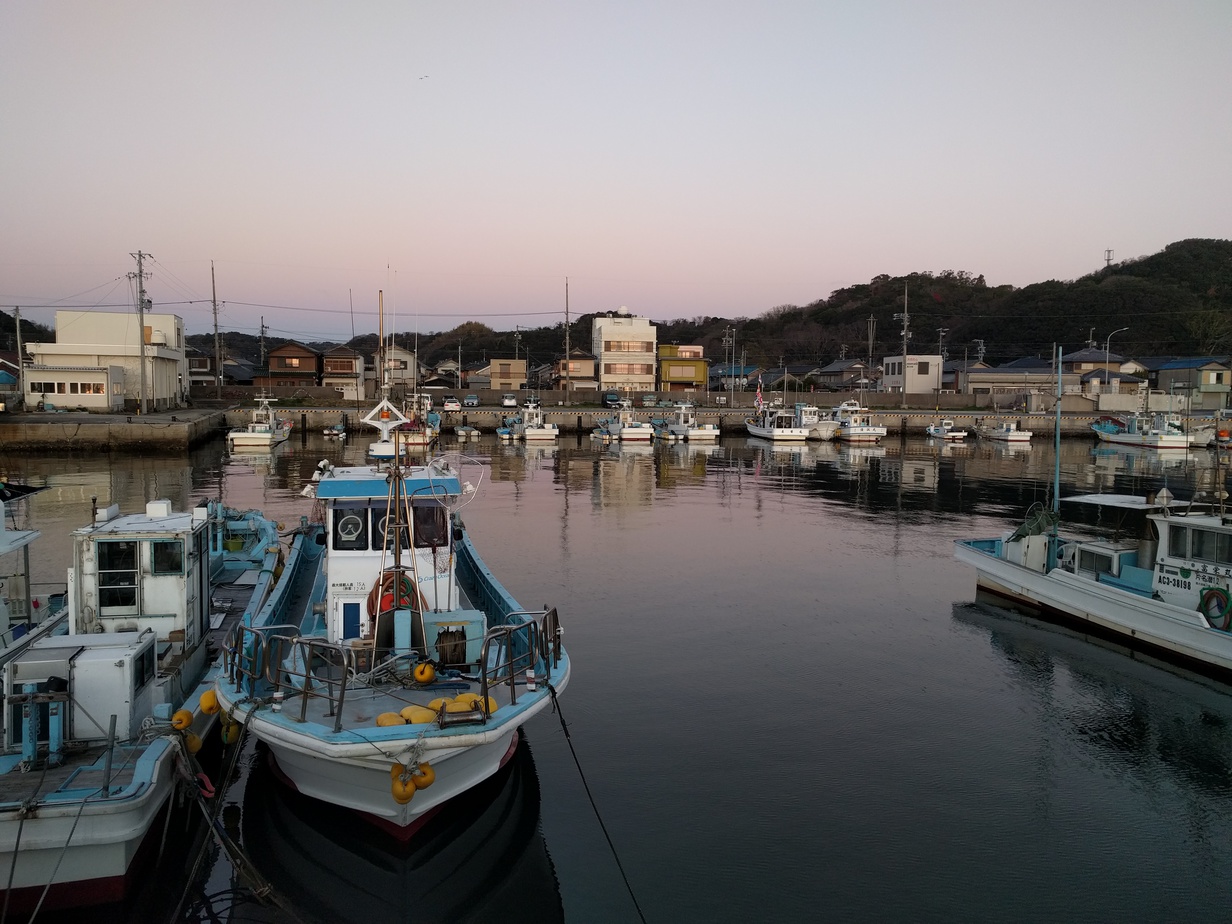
(82, 770)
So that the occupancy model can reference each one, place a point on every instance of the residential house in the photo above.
(507, 374)
(578, 373)
(682, 368)
(846, 375)
(343, 369)
(1204, 380)
(952, 369)
(1017, 383)
(624, 346)
(291, 365)
(100, 360)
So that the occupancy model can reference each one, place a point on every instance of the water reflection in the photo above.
(1157, 719)
(482, 858)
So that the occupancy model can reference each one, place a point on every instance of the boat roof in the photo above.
(1124, 501)
(370, 481)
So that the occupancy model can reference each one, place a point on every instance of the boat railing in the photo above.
(518, 652)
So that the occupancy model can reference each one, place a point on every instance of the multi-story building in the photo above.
(920, 374)
(291, 365)
(96, 362)
(343, 370)
(625, 347)
(682, 368)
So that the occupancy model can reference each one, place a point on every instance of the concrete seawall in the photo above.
(167, 432)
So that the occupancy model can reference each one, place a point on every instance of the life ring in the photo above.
(382, 597)
(1216, 607)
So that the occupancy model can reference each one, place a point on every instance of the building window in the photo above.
(628, 346)
(922, 367)
(117, 575)
(290, 362)
(628, 369)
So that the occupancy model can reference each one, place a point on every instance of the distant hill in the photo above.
(1177, 301)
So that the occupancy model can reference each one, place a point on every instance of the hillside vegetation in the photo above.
(1177, 301)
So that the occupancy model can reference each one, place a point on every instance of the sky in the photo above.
(676, 157)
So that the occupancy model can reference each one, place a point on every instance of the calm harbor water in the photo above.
(787, 703)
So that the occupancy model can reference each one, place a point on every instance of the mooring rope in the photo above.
(616, 856)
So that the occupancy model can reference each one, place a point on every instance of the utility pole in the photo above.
(872, 326)
(905, 319)
(941, 332)
(217, 342)
(263, 346)
(21, 363)
(141, 305)
(459, 364)
(567, 378)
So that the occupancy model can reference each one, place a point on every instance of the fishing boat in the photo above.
(101, 724)
(1169, 591)
(466, 432)
(531, 424)
(1004, 431)
(820, 425)
(854, 423)
(403, 681)
(264, 431)
(335, 432)
(420, 425)
(24, 614)
(775, 423)
(944, 429)
(1165, 585)
(683, 424)
(1151, 431)
(624, 426)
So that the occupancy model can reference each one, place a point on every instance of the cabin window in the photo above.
(167, 556)
(1089, 560)
(117, 574)
(1207, 545)
(430, 527)
(350, 532)
(380, 523)
(1178, 541)
(143, 668)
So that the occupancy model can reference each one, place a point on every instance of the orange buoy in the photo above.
(424, 776)
(181, 720)
(424, 672)
(209, 702)
(403, 790)
(438, 703)
(192, 741)
(396, 771)
(386, 719)
(418, 715)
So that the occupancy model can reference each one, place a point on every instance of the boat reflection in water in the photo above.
(1164, 725)
(481, 858)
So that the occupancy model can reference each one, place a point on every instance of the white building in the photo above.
(625, 348)
(923, 373)
(95, 362)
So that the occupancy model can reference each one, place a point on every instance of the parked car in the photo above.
(508, 400)
(451, 403)
(470, 401)
(611, 399)
(649, 400)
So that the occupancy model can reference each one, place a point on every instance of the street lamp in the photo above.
(1106, 343)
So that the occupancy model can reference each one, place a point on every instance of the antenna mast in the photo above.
(217, 342)
(567, 379)
(906, 334)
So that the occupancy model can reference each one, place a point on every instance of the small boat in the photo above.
(421, 425)
(531, 424)
(685, 425)
(102, 724)
(265, 431)
(855, 425)
(404, 679)
(775, 423)
(820, 426)
(625, 427)
(1153, 431)
(1004, 431)
(336, 432)
(466, 432)
(944, 429)
(509, 426)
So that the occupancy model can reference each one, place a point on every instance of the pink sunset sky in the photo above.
(679, 158)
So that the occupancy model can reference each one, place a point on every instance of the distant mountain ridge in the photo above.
(1175, 302)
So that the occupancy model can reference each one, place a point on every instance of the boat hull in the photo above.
(792, 434)
(1172, 632)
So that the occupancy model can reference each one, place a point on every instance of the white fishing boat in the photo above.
(820, 425)
(684, 425)
(24, 614)
(335, 432)
(855, 425)
(624, 426)
(101, 723)
(421, 425)
(264, 431)
(944, 429)
(532, 425)
(1004, 431)
(1151, 431)
(406, 677)
(775, 423)
(466, 432)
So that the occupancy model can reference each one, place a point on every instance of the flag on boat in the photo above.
(759, 402)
